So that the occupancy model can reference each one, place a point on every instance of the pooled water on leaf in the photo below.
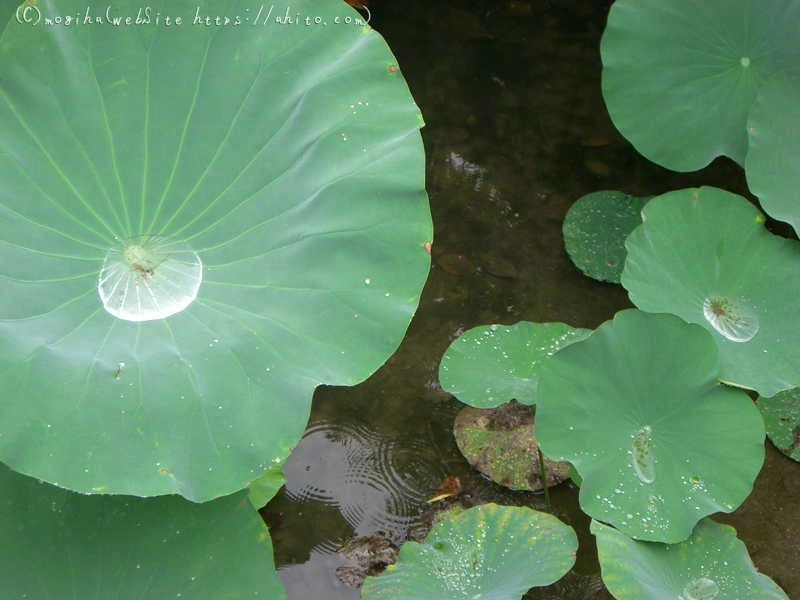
(701, 588)
(733, 319)
(643, 461)
(149, 278)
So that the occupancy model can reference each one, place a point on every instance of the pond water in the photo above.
(516, 131)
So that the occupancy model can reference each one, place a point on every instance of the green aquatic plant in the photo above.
(680, 76)
(773, 129)
(595, 228)
(781, 414)
(488, 552)
(58, 544)
(712, 564)
(704, 254)
(637, 408)
(198, 226)
(489, 365)
(263, 489)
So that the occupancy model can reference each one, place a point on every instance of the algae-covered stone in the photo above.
(501, 443)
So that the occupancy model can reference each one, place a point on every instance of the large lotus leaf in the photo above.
(638, 410)
(488, 552)
(679, 76)
(489, 365)
(273, 171)
(781, 415)
(595, 228)
(64, 545)
(712, 564)
(773, 155)
(705, 255)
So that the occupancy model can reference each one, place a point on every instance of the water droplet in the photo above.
(643, 462)
(745, 61)
(701, 588)
(733, 319)
(149, 278)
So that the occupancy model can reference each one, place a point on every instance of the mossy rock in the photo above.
(501, 443)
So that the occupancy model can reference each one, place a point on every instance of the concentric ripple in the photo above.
(149, 278)
(376, 482)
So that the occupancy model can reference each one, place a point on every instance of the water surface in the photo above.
(516, 131)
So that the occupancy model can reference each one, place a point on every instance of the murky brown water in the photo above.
(516, 131)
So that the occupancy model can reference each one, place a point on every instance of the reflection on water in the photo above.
(516, 131)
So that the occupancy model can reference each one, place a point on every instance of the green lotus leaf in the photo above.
(704, 255)
(595, 229)
(489, 365)
(781, 415)
(712, 564)
(773, 128)
(198, 226)
(263, 489)
(488, 552)
(679, 76)
(638, 410)
(129, 548)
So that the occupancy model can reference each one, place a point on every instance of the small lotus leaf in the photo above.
(488, 552)
(595, 229)
(773, 155)
(638, 410)
(59, 544)
(679, 76)
(489, 365)
(705, 255)
(781, 415)
(198, 226)
(712, 564)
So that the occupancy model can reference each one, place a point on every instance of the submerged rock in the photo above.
(501, 443)
(365, 555)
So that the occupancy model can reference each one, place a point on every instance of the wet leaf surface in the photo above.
(637, 408)
(711, 565)
(488, 552)
(595, 229)
(704, 254)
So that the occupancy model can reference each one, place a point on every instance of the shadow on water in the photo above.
(516, 131)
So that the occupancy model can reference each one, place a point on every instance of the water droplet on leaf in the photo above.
(732, 319)
(643, 460)
(701, 588)
(149, 278)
